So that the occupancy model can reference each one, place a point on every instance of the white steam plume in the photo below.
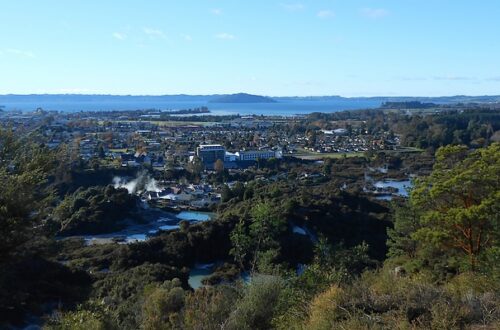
(143, 182)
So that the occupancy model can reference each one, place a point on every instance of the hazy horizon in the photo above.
(267, 95)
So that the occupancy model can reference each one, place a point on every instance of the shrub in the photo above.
(209, 308)
(256, 309)
(162, 306)
(326, 309)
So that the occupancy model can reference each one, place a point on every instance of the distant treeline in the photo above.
(473, 127)
(408, 105)
(194, 114)
(142, 112)
(188, 111)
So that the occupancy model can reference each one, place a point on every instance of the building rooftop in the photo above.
(210, 145)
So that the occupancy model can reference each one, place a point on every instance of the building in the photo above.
(231, 157)
(338, 131)
(210, 153)
(258, 154)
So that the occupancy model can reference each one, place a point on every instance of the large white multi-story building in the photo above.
(253, 155)
(210, 153)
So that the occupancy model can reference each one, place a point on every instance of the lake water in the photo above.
(306, 232)
(403, 187)
(202, 271)
(141, 232)
(283, 108)
(299, 230)
(198, 273)
(194, 216)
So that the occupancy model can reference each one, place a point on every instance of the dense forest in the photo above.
(429, 261)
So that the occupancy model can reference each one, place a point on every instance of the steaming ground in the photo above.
(143, 182)
(156, 220)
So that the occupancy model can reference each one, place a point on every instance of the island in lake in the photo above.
(243, 98)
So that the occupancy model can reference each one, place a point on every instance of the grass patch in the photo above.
(118, 150)
(311, 155)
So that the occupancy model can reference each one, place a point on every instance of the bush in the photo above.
(124, 292)
(209, 307)
(95, 210)
(78, 320)
(326, 309)
(91, 315)
(162, 306)
(256, 309)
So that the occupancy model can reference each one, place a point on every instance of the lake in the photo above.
(282, 108)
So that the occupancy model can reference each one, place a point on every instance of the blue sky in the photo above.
(321, 47)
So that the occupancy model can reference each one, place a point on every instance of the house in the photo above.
(182, 197)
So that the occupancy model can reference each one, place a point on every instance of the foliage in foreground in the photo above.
(452, 221)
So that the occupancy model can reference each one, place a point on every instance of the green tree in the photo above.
(327, 167)
(406, 222)
(91, 315)
(458, 208)
(26, 196)
(209, 307)
(100, 151)
(241, 243)
(238, 190)
(258, 239)
(257, 307)
(196, 166)
(78, 320)
(162, 306)
(219, 166)
(226, 194)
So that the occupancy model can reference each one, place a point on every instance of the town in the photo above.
(191, 141)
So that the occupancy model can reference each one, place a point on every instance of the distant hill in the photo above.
(242, 98)
(12, 98)
(441, 99)
(7, 99)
